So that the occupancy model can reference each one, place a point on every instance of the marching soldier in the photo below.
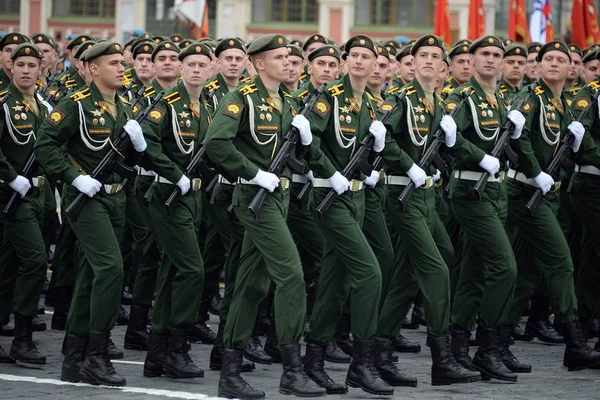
(460, 68)
(231, 53)
(296, 58)
(84, 124)
(7, 44)
(533, 68)
(244, 136)
(46, 45)
(310, 44)
(406, 69)
(23, 254)
(574, 76)
(513, 71)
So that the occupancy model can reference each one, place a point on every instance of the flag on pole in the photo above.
(517, 22)
(540, 23)
(441, 26)
(476, 19)
(584, 23)
(196, 11)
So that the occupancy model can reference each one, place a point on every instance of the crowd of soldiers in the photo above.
(336, 186)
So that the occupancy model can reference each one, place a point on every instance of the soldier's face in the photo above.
(232, 62)
(274, 64)
(196, 69)
(108, 70)
(407, 68)
(296, 65)
(575, 67)
(323, 69)
(428, 62)
(48, 52)
(5, 56)
(590, 71)
(167, 65)
(442, 76)
(461, 68)
(360, 62)
(514, 67)
(554, 66)
(533, 67)
(311, 47)
(25, 71)
(143, 66)
(488, 61)
(128, 56)
(393, 68)
(380, 70)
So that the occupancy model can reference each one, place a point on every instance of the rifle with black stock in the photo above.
(53, 77)
(112, 161)
(137, 97)
(284, 155)
(358, 160)
(59, 89)
(501, 144)
(560, 156)
(432, 153)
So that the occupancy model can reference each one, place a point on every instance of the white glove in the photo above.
(490, 164)
(378, 131)
(577, 130)
(544, 182)
(87, 185)
(310, 176)
(266, 180)
(339, 183)
(184, 184)
(518, 119)
(134, 130)
(449, 127)
(437, 175)
(417, 175)
(373, 179)
(20, 185)
(303, 126)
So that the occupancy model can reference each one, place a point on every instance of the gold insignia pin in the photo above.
(490, 40)
(431, 41)
(231, 42)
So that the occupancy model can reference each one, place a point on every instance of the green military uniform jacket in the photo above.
(507, 92)
(18, 129)
(247, 131)
(449, 87)
(83, 124)
(570, 94)
(305, 90)
(4, 80)
(545, 118)
(174, 132)
(338, 127)
(478, 123)
(589, 151)
(220, 87)
(410, 128)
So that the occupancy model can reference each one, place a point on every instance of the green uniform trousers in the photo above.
(268, 253)
(545, 241)
(213, 254)
(135, 228)
(585, 192)
(181, 271)
(419, 265)
(22, 253)
(98, 286)
(65, 260)
(349, 269)
(488, 270)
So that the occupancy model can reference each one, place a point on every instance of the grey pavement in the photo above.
(549, 379)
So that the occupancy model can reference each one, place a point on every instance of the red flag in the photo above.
(476, 19)
(441, 26)
(584, 23)
(518, 29)
(200, 32)
(547, 11)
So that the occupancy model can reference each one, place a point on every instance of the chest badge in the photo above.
(264, 108)
(183, 114)
(102, 121)
(17, 107)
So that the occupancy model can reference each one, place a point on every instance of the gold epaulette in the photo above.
(246, 80)
(448, 89)
(286, 94)
(594, 85)
(172, 97)
(302, 94)
(248, 89)
(124, 100)
(539, 90)
(410, 90)
(502, 89)
(149, 91)
(466, 88)
(70, 82)
(214, 85)
(574, 90)
(393, 89)
(303, 77)
(369, 96)
(449, 79)
(336, 90)
(2, 93)
(80, 95)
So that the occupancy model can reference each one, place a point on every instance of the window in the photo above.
(10, 6)
(304, 11)
(395, 12)
(83, 8)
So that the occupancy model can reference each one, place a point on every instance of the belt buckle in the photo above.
(197, 182)
(113, 188)
(556, 187)
(439, 183)
(428, 182)
(284, 182)
(40, 181)
(381, 174)
(501, 176)
(354, 185)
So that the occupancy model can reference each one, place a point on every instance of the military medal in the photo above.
(553, 117)
(490, 114)
(188, 123)
(95, 121)
(341, 118)
(484, 113)
(102, 121)
(181, 123)
(23, 116)
(262, 117)
(17, 117)
(348, 119)
(269, 117)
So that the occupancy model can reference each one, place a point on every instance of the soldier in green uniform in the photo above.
(460, 67)
(244, 136)
(546, 116)
(71, 75)
(488, 269)
(174, 132)
(7, 44)
(231, 53)
(418, 263)
(513, 71)
(574, 76)
(341, 119)
(533, 68)
(313, 42)
(22, 252)
(296, 58)
(84, 124)
(406, 69)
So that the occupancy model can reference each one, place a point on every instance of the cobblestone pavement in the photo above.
(549, 379)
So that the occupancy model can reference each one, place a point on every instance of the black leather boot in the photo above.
(578, 355)
(460, 349)
(37, 325)
(445, 370)
(7, 330)
(216, 355)
(96, 368)
(126, 296)
(314, 363)
(342, 334)
(508, 358)
(215, 304)
(334, 354)
(538, 323)
(519, 334)
(157, 349)
(23, 349)
(385, 366)
(61, 308)
(74, 348)
(408, 324)
(254, 351)
(5, 358)
(177, 363)
(294, 380)
(114, 353)
(487, 359)
(123, 318)
(136, 335)
(201, 332)
(403, 345)
(363, 373)
(272, 345)
(231, 383)
(418, 311)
